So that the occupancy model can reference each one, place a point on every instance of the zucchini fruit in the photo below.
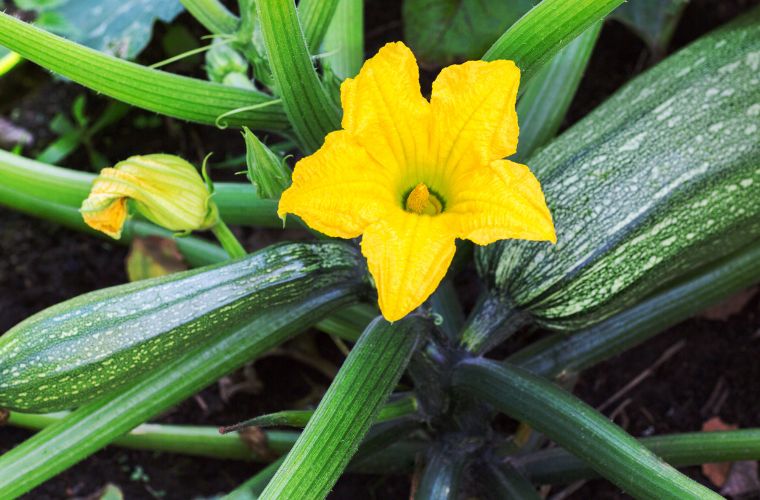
(95, 343)
(661, 179)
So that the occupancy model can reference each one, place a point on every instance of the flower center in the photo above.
(422, 201)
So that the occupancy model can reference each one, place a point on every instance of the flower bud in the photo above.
(267, 171)
(225, 65)
(165, 189)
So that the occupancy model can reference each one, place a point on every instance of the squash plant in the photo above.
(655, 198)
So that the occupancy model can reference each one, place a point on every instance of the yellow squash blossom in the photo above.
(413, 175)
(165, 189)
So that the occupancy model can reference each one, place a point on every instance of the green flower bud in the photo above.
(267, 171)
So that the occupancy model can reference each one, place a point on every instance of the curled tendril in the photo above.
(221, 124)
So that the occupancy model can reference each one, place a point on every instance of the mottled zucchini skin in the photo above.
(93, 344)
(662, 178)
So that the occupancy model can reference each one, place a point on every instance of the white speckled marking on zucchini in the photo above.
(679, 186)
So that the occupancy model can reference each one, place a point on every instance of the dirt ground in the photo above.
(711, 369)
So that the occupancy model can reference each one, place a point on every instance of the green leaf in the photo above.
(578, 428)
(121, 28)
(154, 90)
(345, 413)
(546, 99)
(343, 45)
(583, 349)
(542, 32)
(556, 465)
(441, 32)
(96, 424)
(652, 20)
(310, 110)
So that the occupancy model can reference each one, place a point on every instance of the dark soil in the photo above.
(41, 264)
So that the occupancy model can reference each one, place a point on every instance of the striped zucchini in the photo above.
(93, 344)
(661, 179)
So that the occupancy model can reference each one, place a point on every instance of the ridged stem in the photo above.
(344, 41)
(547, 97)
(309, 109)
(165, 93)
(578, 428)
(315, 17)
(556, 465)
(346, 411)
(545, 29)
(213, 16)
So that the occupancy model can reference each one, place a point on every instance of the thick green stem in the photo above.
(213, 16)
(308, 107)
(169, 94)
(578, 428)
(545, 29)
(346, 411)
(556, 465)
(546, 99)
(344, 40)
(315, 17)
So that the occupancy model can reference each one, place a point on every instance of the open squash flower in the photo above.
(165, 189)
(413, 175)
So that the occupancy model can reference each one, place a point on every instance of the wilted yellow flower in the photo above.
(412, 175)
(165, 189)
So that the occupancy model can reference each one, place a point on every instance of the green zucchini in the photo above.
(95, 343)
(662, 178)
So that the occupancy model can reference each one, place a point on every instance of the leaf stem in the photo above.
(228, 240)
(578, 428)
(556, 465)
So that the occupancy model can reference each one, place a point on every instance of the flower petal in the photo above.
(339, 190)
(473, 113)
(385, 111)
(408, 256)
(503, 200)
(105, 213)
